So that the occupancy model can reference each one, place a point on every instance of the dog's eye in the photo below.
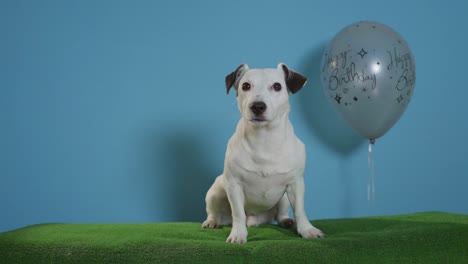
(245, 86)
(277, 87)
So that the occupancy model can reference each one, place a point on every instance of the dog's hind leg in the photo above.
(218, 208)
(283, 213)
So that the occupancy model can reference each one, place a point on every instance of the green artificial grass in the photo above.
(417, 238)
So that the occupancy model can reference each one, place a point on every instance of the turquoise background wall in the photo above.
(116, 111)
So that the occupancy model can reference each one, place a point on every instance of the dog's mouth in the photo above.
(258, 120)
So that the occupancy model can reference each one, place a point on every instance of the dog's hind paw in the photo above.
(210, 223)
(287, 223)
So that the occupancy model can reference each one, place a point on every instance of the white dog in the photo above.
(264, 163)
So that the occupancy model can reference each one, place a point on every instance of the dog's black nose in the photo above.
(258, 108)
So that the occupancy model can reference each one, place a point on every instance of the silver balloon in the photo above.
(368, 75)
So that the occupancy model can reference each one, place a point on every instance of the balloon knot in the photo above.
(372, 141)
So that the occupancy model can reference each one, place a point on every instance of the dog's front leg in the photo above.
(295, 193)
(236, 199)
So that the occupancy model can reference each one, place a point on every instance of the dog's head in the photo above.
(263, 94)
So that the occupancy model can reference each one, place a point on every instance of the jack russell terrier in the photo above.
(264, 163)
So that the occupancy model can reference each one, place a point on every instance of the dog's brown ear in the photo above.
(233, 78)
(294, 81)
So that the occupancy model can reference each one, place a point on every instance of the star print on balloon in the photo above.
(362, 53)
(400, 98)
(338, 98)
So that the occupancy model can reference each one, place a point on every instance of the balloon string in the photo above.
(371, 178)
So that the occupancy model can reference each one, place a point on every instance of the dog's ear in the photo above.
(294, 81)
(233, 78)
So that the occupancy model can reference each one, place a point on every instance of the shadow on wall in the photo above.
(321, 118)
(326, 124)
(189, 176)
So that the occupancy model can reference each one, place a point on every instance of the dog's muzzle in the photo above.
(258, 108)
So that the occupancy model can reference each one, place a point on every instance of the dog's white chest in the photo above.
(264, 175)
(263, 190)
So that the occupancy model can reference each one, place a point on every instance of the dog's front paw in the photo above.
(210, 223)
(311, 232)
(237, 236)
